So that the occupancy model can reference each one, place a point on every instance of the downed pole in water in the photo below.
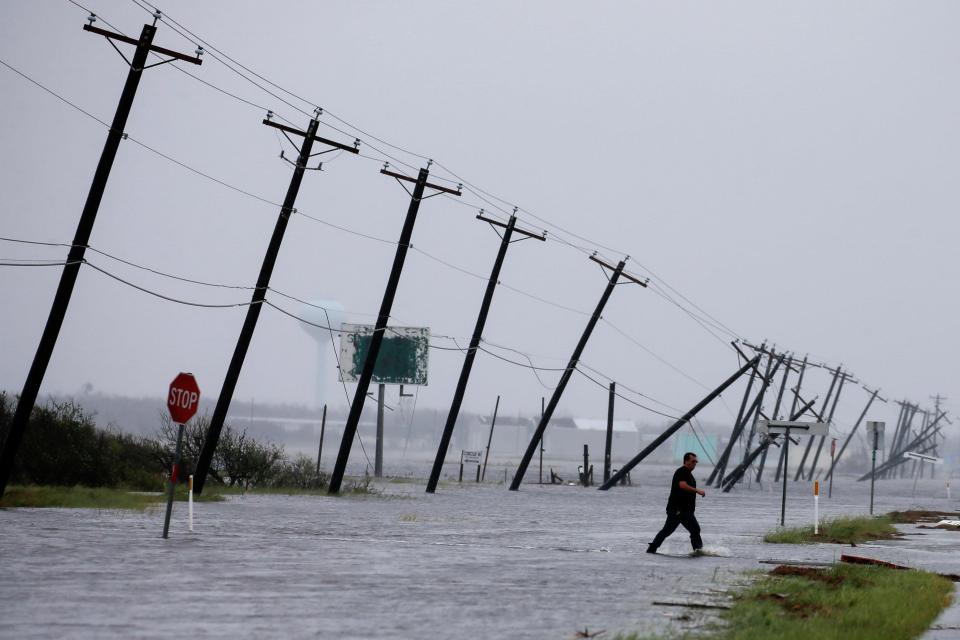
(893, 462)
(625, 469)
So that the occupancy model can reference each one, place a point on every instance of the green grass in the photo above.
(850, 530)
(845, 602)
(80, 497)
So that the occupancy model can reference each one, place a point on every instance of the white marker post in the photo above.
(816, 507)
(190, 502)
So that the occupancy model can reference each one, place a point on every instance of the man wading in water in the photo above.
(680, 505)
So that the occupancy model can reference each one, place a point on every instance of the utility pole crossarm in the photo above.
(135, 42)
(542, 236)
(623, 274)
(303, 134)
(400, 176)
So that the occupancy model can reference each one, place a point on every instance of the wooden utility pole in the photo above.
(51, 331)
(823, 410)
(616, 273)
(609, 442)
(844, 376)
(508, 230)
(793, 408)
(263, 284)
(386, 306)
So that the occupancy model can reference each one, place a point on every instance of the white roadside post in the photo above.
(190, 502)
(816, 507)
(785, 427)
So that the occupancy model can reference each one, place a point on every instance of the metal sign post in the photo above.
(876, 429)
(786, 461)
(773, 427)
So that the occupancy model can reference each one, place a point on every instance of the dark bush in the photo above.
(62, 446)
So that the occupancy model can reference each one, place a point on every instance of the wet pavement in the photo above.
(470, 561)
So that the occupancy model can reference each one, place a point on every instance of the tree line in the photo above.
(63, 446)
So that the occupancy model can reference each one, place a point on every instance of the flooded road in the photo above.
(471, 561)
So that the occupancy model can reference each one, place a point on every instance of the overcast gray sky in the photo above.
(789, 168)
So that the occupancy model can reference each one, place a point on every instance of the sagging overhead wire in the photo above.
(478, 191)
(324, 222)
(489, 198)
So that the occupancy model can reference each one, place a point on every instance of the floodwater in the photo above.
(471, 561)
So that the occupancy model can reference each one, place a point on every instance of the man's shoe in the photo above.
(651, 548)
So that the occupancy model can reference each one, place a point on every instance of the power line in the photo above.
(358, 233)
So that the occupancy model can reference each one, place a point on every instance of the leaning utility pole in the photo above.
(263, 283)
(373, 350)
(509, 229)
(823, 410)
(722, 461)
(793, 408)
(572, 365)
(776, 411)
(763, 391)
(844, 376)
(676, 426)
(836, 459)
(754, 409)
(75, 257)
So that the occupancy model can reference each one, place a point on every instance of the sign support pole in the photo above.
(173, 480)
(786, 462)
(873, 468)
(378, 458)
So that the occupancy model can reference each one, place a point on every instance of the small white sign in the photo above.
(924, 457)
(471, 457)
(875, 434)
(795, 428)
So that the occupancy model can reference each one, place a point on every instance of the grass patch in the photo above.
(80, 497)
(852, 530)
(915, 516)
(845, 601)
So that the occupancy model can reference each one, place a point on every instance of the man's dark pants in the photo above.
(675, 518)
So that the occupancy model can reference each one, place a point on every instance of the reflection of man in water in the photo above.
(680, 505)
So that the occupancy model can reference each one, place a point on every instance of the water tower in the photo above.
(325, 318)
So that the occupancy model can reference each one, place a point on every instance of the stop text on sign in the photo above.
(183, 399)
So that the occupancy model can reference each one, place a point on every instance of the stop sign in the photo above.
(184, 398)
